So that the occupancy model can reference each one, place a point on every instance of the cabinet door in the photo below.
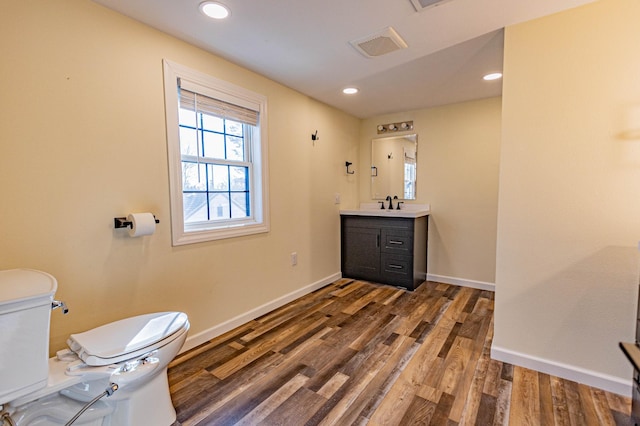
(361, 253)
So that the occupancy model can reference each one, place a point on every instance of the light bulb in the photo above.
(214, 10)
(492, 76)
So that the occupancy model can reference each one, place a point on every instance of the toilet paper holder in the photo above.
(122, 222)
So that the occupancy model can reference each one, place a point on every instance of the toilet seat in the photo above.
(128, 338)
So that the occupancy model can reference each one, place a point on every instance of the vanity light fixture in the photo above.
(395, 127)
(492, 76)
(350, 90)
(215, 10)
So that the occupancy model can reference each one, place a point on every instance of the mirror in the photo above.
(393, 167)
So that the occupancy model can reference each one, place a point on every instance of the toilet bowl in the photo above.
(124, 361)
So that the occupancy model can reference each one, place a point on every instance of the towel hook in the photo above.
(347, 163)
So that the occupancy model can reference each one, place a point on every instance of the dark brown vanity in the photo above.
(385, 247)
(632, 351)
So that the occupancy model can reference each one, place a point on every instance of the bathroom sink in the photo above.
(373, 209)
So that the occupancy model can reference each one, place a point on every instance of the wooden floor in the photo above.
(356, 353)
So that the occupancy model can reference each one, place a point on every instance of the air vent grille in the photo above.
(380, 43)
(425, 4)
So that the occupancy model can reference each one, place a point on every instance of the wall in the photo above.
(83, 141)
(457, 168)
(569, 209)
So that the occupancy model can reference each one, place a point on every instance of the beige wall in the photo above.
(569, 209)
(458, 156)
(83, 140)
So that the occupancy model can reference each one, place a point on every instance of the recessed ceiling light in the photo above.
(493, 76)
(214, 10)
(350, 90)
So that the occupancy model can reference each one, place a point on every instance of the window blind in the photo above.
(196, 101)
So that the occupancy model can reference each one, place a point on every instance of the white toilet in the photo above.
(125, 362)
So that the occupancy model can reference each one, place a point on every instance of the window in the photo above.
(217, 146)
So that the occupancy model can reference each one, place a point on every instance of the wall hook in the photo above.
(314, 136)
(347, 163)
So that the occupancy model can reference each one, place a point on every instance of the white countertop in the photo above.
(373, 209)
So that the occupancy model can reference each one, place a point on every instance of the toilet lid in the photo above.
(26, 287)
(128, 338)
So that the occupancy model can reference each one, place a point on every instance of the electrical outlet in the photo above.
(337, 198)
(294, 258)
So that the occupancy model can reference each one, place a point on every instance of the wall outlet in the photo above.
(294, 258)
(337, 198)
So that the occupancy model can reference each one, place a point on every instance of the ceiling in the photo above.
(305, 45)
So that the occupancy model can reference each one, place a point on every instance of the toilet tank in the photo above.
(25, 311)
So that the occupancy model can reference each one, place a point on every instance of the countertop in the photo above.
(373, 209)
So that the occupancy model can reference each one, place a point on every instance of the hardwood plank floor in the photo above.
(357, 353)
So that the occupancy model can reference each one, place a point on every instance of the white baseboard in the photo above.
(462, 282)
(217, 330)
(570, 372)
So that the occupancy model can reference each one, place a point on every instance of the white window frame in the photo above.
(230, 93)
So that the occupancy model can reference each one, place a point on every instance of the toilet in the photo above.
(112, 375)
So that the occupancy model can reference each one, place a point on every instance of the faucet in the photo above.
(390, 203)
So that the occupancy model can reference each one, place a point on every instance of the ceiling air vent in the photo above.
(425, 4)
(380, 43)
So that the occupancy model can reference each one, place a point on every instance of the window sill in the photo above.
(203, 235)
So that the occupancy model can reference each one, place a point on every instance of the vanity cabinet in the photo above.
(388, 250)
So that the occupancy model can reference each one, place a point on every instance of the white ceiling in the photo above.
(305, 45)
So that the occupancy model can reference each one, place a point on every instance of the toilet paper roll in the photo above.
(141, 224)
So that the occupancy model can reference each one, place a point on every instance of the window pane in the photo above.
(186, 117)
(219, 206)
(235, 148)
(239, 205)
(239, 176)
(234, 128)
(213, 123)
(218, 178)
(188, 141)
(213, 145)
(194, 177)
(195, 207)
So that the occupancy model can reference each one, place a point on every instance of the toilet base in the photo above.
(58, 410)
(150, 404)
(147, 404)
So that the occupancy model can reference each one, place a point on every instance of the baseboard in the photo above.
(570, 372)
(481, 285)
(217, 330)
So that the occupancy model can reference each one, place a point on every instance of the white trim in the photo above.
(230, 324)
(481, 285)
(620, 386)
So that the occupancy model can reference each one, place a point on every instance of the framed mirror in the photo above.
(393, 167)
